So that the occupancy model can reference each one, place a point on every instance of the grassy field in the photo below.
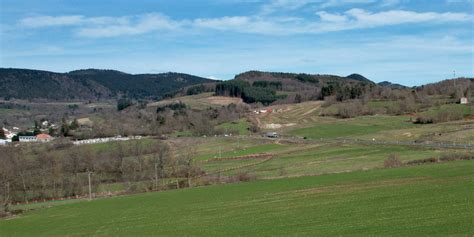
(200, 101)
(431, 199)
(240, 127)
(267, 148)
(334, 158)
(336, 128)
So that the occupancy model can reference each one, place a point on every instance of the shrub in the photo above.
(423, 120)
(453, 157)
(422, 161)
(393, 160)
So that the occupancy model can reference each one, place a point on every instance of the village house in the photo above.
(43, 137)
(3, 142)
(463, 101)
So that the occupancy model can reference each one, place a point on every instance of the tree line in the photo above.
(41, 172)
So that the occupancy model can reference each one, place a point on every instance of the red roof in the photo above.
(43, 136)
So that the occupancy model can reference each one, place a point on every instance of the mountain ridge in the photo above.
(91, 84)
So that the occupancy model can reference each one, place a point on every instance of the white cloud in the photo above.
(242, 24)
(278, 5)
(337, 3)
(327, 17)
(362, 18)
(144, 24)
(269, 25)
(389, 3)
(329, 22)
(71, 20)
(46, 21)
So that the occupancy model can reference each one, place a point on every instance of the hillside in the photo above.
(391, 85)
(359, 77)
(284, 88)
(299, 77)
(90, 84)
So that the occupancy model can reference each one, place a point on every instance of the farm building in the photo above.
(3, 142)
(27, 138)
(463, 101)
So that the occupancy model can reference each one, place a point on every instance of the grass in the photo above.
(240, 127)
(465, 110)
(423, 200)
(243, 152)
(334, 158)
(125, 144)
(353, 127)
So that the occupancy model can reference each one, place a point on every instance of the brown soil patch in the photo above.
(221, 100)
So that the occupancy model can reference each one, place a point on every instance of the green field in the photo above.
(267, 148)
(359, 126)
(240, 127)
(431, 199)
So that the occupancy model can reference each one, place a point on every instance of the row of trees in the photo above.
(55, 171)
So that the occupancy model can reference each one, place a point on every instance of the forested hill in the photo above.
(90, 84)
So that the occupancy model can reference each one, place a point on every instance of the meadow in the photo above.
(419, 200)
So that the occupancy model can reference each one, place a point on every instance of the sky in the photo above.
(411, 42)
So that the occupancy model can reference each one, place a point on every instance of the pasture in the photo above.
(433, 199)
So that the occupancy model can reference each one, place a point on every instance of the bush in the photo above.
(423, 120)
(392, 161)
(422, 161)
(174, 106)
(353, 109)
(453, 157)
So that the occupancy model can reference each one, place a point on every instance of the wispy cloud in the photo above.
(143, 24)
(268, 25)
(358, 18)
(337, 3)
(69, 20)
(278, 5)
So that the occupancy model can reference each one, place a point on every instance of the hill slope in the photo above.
(90, 84)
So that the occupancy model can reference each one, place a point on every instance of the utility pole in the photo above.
(156, 176)
(90, 187)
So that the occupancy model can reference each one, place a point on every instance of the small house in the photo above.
(463, 101)
(43, 137)
(3, 142)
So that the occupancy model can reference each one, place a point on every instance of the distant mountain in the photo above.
(391, 85)
(301, 77)
(90, 84)
(360, 78)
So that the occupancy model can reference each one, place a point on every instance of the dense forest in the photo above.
(90, 84)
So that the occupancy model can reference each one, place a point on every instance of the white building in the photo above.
(3, 142)
(27, 138)
(463, 101)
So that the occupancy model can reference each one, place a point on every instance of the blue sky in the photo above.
(405, 41)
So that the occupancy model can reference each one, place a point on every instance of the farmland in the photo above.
(401, 201)
(239, 182)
